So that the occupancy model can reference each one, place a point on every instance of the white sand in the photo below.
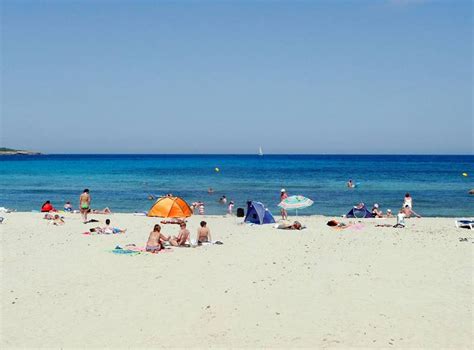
(375, 287)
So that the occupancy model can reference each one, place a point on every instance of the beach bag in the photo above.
(240, 212)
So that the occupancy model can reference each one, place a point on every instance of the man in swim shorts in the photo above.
(84, 204)
(203, 233)
(182, 236)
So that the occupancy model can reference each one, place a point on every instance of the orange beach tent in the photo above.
(170, 207)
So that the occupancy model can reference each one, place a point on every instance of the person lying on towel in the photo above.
(287, 226)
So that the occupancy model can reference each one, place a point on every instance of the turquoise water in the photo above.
(123, 182)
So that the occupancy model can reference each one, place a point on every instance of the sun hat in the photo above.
(283, 190)
(376, 205)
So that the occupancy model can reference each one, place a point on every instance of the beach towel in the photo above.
(121, 251)
(356, 227)
(141, 249)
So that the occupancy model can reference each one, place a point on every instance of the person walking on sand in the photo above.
(180, 240)
(84, 204)
(283, 196)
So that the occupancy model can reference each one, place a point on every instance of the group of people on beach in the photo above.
(157, 240)
(84, 207)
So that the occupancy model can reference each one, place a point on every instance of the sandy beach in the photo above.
(316, 288)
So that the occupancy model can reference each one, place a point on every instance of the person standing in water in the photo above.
(84, 204)
(283, 196)
(408, 201)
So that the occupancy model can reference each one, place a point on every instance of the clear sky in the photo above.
(387, 76)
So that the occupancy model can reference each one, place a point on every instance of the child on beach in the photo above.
(68, 207)
(283, 196)
(230, 208)
(109, 229)
(156, 240)
(400, 219)
(182, 237)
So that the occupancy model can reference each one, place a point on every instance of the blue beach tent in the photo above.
(359, 211)
(258, 214)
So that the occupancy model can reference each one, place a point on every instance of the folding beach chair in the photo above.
(465, 223)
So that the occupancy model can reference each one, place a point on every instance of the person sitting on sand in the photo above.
(287, 226)
(181, 239)
(47, 207)
(410, 212)
(203, 233)
(400, 219)
(376, 212)
(109, 229)
(68, 207)
(156, 240)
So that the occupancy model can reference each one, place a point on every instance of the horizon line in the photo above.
(268, 154)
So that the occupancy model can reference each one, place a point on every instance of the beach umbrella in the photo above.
(170, 207)
(296, 202)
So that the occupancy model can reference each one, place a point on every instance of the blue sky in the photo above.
(389, 76)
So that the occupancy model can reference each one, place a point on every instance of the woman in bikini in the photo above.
(155, 240)
(84, 204)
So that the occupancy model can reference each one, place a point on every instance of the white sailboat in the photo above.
(260, 151)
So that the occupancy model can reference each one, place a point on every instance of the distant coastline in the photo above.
(12, 152)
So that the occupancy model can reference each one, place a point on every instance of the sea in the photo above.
(124, 182)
